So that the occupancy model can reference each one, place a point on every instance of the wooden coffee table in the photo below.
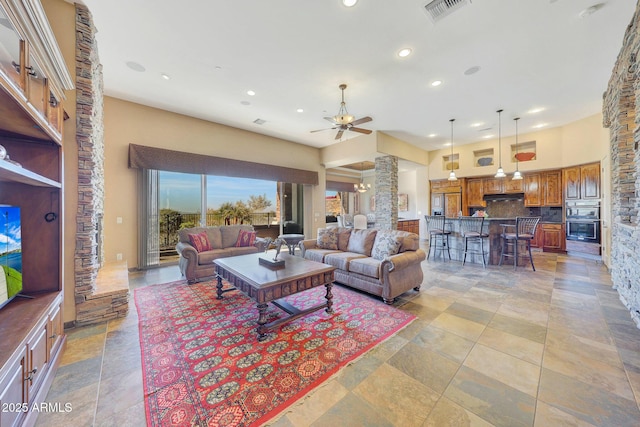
(266, 284)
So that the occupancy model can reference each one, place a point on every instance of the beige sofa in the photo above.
(383, 263)
(195, 265)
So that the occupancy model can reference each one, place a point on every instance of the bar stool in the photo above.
(471, 230)
(436, 227)
(525, 231)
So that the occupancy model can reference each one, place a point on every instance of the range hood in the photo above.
(512, 197)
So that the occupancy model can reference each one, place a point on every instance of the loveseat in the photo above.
(199, 246)
(380, 262)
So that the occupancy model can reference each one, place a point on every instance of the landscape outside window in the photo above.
(228, 201)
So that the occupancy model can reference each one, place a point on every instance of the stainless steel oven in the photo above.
(583, 221)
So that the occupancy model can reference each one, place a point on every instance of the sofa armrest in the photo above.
(306, 244)
(404, 259)
(187, 251)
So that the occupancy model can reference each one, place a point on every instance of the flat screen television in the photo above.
(10, 254)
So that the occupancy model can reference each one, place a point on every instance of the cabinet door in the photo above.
(440, 183)
(513, 186)
(474, 193)
(532, 190)
(552, 237)
(553, 189)
(571, 179)
(38, 362)
(55, 330)
(11, 52)
(590, 181)
(453, 204)
(12, 393)
(493, 185)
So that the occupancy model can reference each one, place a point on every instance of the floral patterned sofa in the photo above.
(380, 262)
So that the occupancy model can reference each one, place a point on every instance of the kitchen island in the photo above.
(492, 243)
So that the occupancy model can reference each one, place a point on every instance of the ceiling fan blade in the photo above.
(360, 121)
(367, 131)
(320, 130)
(339, 134)
(330, 119)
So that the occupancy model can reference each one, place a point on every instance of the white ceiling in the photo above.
(294, 54)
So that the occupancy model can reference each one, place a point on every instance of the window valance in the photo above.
(143, 157)
(340, 186)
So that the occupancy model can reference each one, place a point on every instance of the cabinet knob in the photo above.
(30, 376)
(53, 336)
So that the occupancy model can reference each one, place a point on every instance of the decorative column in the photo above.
(387, 193)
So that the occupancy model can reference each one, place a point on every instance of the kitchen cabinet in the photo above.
(410, 225)
(553, 238)
(493, 185)
(552, 188)
(532, 190)
(513, 186)
(475, 193)
(582, 182)
(453, 204)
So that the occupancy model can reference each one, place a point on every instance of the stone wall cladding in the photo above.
(620, 112)
(386, 193)
(90, 307)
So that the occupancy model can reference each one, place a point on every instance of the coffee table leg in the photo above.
(262, 320)
(329, 297)
(219, 286)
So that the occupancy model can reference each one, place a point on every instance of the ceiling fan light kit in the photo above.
(343, 121)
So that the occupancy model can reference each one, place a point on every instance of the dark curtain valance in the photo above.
(142, 157)
(340, 186)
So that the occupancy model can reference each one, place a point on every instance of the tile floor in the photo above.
(490, 347)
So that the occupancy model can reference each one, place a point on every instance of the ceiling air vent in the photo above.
(438, 9)
(259, 121)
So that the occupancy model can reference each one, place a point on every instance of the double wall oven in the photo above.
(583, 221)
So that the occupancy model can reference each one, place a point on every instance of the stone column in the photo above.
(387, 193)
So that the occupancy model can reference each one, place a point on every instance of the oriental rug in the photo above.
(203, 365)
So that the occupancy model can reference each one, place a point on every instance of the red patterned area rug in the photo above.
(203, 366)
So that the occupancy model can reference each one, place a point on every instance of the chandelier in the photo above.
(362, 187)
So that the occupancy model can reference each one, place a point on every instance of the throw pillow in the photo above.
(327, 238)
(361, 241)
(246, 238)
(386, 244)
(200, 241)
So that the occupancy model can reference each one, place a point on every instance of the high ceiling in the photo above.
(530, 54)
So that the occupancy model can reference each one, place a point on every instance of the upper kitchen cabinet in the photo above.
(513, 186)
(475, 193)
(552, 188)
(532, 190)
(582, 182)
(33, 74)
(493, 185)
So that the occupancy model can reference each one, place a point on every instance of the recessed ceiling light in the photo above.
(250, 93)
(349, 3)
(432, 135)
(535, 110)
(404, 52)
(471, 70)
(446, 144)
(135, 66)
(476, 125)
(436, 83)
(487, 136)
(300, 110)
(165, 76)
(540, 125)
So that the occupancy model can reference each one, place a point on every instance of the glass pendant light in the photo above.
(500, 173)
(517, 175)
(452, 174)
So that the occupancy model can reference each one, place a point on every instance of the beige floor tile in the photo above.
(522, 348)
(548, 416)
(459, 326)
(312, 407)
(449, 414)
(83, 348)
(444, 343)
(524, 309)
(514, 372)
(412, 400)
(485, 299)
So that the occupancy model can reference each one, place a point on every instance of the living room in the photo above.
(127, 122)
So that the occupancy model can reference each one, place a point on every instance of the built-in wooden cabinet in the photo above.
(453, 204)
(33, 77)
(513, 186)
(532, 190)
(410, 225)
(582, 182)
(552, 187)
(475, 193)
(493, 185)
(553, 238)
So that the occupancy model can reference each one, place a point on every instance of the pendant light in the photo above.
(452, 174)
(361, 188)
(517, 175)
(500, 173)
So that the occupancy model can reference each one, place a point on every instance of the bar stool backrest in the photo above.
(471, 226)
(526, 226)
(435, 223)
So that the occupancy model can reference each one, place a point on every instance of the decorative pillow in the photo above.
(245, 238)
(361, 241)
(200, 241)
(386, 244)
(327, 238)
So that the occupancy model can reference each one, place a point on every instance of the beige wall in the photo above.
(583, 141)
(62, 19)
(127, 122)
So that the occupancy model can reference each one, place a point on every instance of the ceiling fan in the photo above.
(344, 121)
